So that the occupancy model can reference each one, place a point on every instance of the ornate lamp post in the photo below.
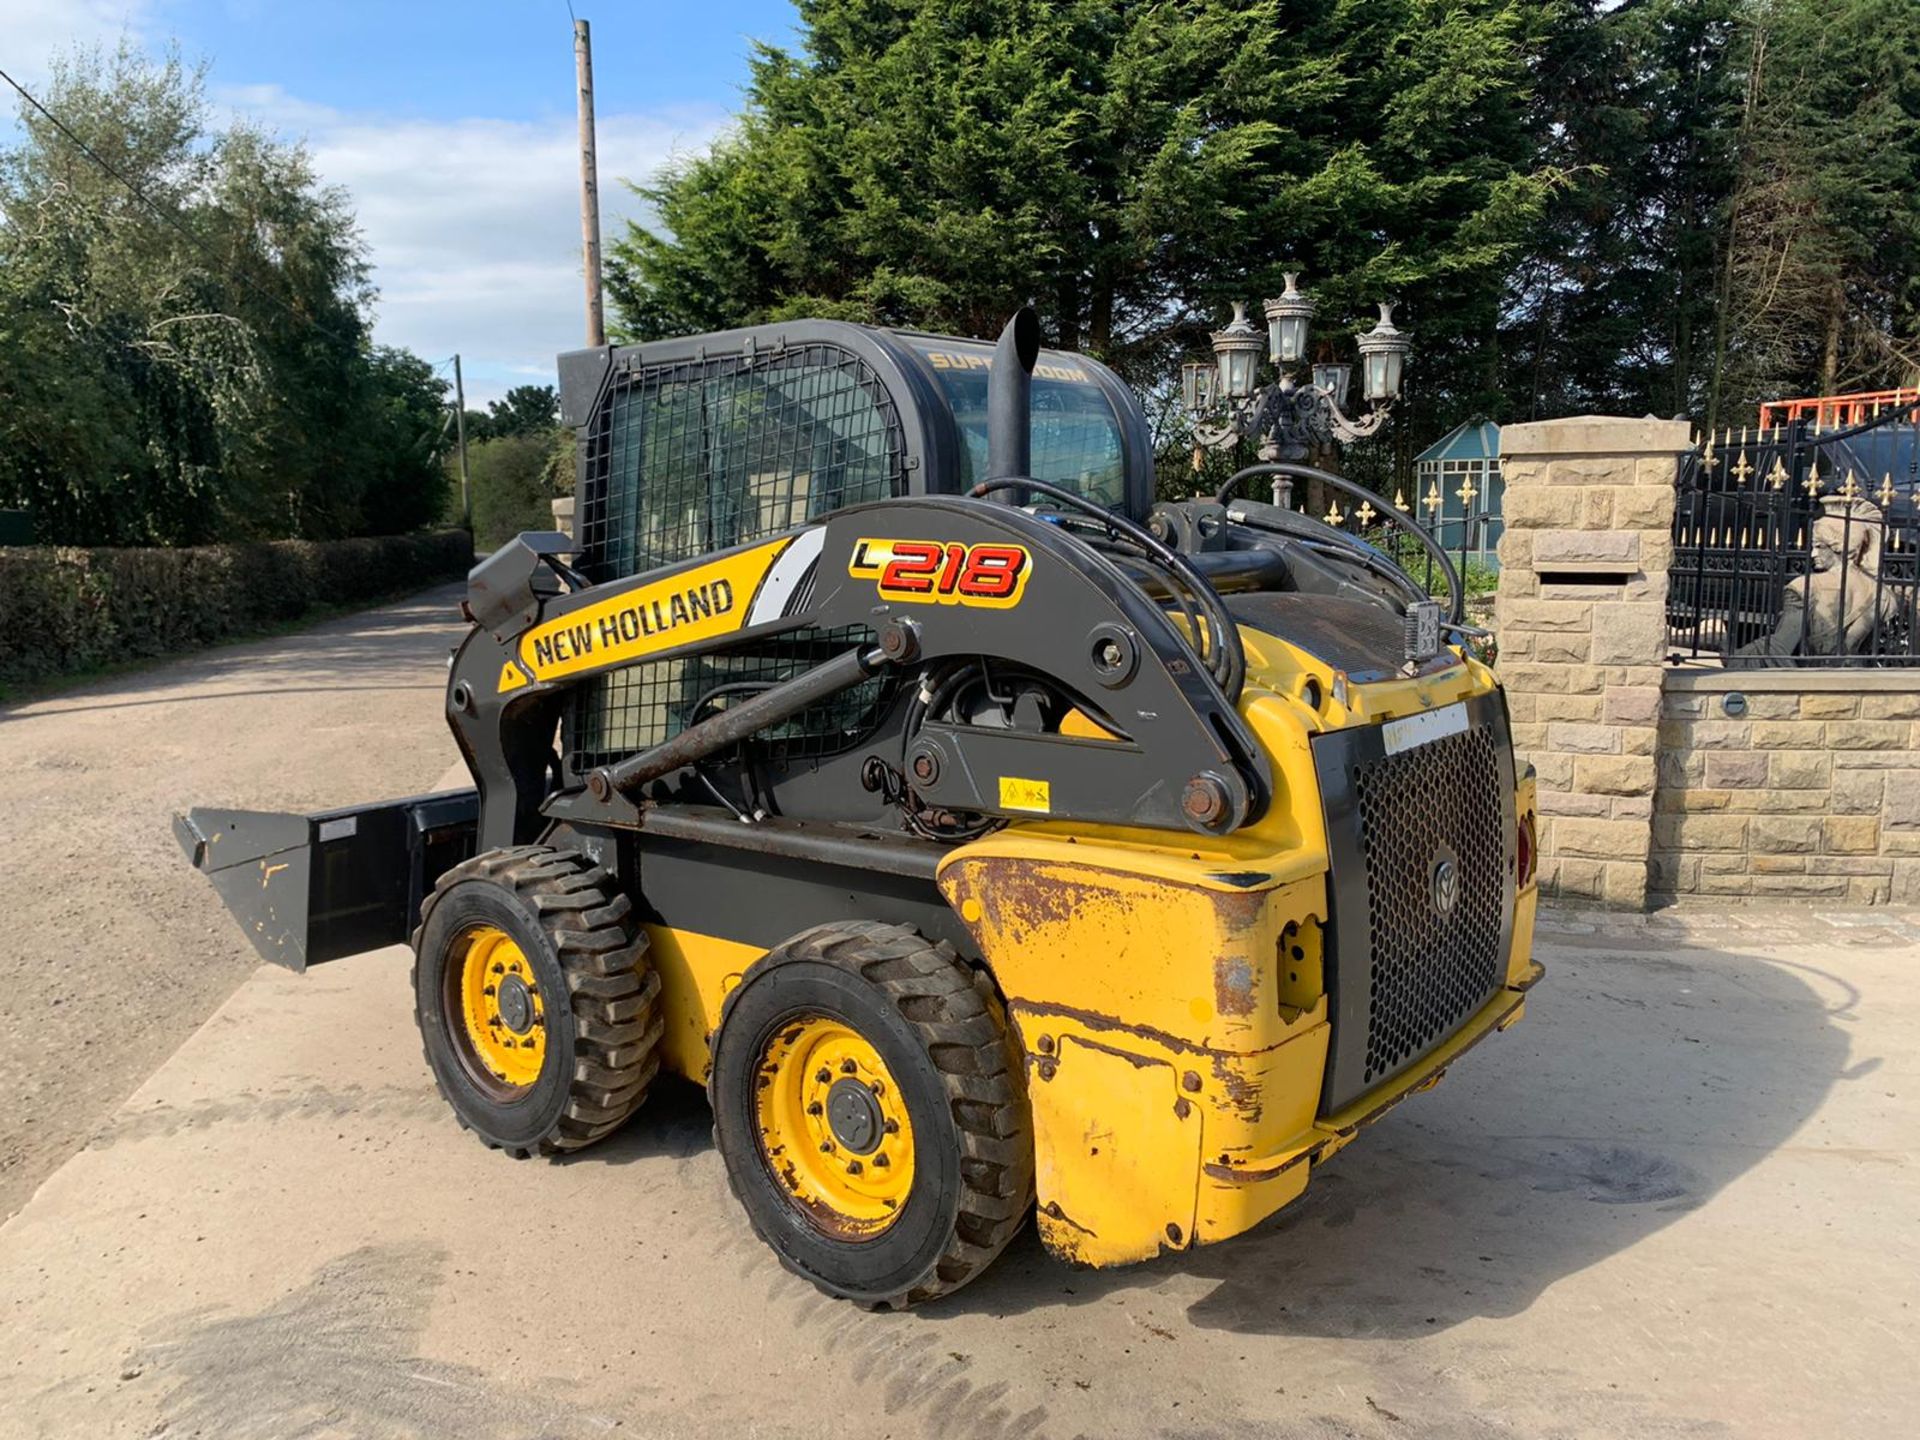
(1294, 414)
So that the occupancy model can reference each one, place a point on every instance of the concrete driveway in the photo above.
(1679, 1200)
(110, 955)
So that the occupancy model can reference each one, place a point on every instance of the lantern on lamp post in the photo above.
(1236, 351)
(1295, 414)
(1383, 351)
(1287, 320)
(1334, 379)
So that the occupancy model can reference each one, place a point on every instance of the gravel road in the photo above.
(112, 950)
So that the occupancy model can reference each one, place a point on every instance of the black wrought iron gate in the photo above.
(1799, 546)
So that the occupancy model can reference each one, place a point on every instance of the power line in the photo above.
(172, 222)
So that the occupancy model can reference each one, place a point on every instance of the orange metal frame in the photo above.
(1832, 411)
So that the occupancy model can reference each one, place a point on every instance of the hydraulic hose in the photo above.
(1225, 657)
(1456, 592)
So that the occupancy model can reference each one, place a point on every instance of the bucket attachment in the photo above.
(309, 888)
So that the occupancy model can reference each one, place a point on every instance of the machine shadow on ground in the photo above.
(1639, 1086)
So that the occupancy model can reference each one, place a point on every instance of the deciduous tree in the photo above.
(184, 329)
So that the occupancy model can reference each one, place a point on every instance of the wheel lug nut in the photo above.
(823, 1075)
(499, 969)
(853, 1167)
(487, 991)
(876, 1087)
(893, 1127)
(826, 1147)
(881, 1162)
(815, 1108)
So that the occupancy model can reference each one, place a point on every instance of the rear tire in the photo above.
(538, 1011)
(826, 1019)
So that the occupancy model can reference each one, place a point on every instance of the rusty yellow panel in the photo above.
(1232, 1203)
(696, 972)
(1129, 951)
(1301, 980)
(1259, 1113)
(1259, 1107)
(1199, 1001)
(1116, 1152)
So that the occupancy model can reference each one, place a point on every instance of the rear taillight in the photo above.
(1524, 848)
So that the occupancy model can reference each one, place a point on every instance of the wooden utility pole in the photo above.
(460, 439)
(589, 185)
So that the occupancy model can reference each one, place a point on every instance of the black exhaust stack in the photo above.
(1010, 402)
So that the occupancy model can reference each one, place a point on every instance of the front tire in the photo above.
(869, 1104)
(537, 1008)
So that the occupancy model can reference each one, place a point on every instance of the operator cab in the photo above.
(694, 445)
(1081, 419)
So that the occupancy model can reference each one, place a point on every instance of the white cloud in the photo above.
(473, 225)
(31, 31)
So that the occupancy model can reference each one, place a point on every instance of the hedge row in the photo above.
(65, 610)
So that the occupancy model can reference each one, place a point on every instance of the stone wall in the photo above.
(1581, 624)
(1659, 781)
(1789, 783)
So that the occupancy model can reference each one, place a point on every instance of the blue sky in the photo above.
(453, 128)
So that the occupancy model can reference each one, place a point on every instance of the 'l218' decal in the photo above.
(929, 572)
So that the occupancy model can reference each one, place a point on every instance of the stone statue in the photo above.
(1847, 540)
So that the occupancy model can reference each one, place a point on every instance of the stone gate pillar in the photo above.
(1580, 620)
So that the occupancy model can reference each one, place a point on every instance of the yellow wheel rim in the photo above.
(834, 1126)
(502, 1012)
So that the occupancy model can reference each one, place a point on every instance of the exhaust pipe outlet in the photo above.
(1010, 401)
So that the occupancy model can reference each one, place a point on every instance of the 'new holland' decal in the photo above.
(689, 606)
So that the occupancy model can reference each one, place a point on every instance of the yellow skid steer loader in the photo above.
(985, 838)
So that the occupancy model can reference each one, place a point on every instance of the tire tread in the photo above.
(613, 992)
(962, 1026)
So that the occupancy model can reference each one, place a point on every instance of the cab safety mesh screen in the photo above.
(697, 456)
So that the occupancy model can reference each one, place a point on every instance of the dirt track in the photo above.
(108, 955)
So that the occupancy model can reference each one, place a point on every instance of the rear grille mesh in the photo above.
(1429, 974)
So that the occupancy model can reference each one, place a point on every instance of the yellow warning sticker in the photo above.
(512, 677)
(1018, 794)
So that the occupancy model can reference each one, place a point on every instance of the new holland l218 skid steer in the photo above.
(986, 838)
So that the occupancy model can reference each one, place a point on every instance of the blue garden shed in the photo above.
(1461, 490)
